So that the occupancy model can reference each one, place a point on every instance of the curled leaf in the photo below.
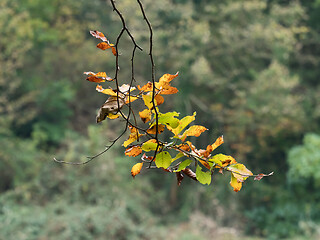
(97, 77)
(110, 108)
(105, 44)
(133, 151)
(180, 177)
(136, 169)
(237, 185)
(168, 77)
(107, 91)
(190, 173)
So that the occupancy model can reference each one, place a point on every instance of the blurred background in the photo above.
(250, 69)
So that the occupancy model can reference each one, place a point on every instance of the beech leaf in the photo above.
(235, 184)
(150, 145)
(194, 130)
(203, 177)
(133, 151)
(163, 159)
(97, 77)
(183, 165)
(145, 115)
(136, 169)
(134, 135)
(239, 171)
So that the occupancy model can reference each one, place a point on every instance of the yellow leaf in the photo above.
(217, 143)
(134, 135)
(107, 91)
(113, 116)
(235, 184)
(239, 171)
(194, 130)
(131, 99)
(136, 169)
(148, 101)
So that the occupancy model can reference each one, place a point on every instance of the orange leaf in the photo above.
(146, 88)
(145, 115)
(136, 169)
(133, 151)
(159, 99)
(152, 130)
(204, 163)
(168, 77)
(105, 44)
(169, 90)
(97, 77)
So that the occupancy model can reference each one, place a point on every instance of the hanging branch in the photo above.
(145, 140)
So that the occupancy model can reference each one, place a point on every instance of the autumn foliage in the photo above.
(178, 156)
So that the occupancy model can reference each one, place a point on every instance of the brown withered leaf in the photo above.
(133, 151)
(109, 107)
(180, 177)
(136, 169)
(190, 173)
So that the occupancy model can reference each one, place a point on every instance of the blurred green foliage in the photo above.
(249, 68)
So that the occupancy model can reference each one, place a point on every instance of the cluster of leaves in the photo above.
(144, 140)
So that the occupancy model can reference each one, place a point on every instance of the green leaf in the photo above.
(169, 119)
(183, 165)
(183, 123)
(203, 177)
(221, 159)
(163, 160)
(179, 155)
(150, 145)
(239, 171)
